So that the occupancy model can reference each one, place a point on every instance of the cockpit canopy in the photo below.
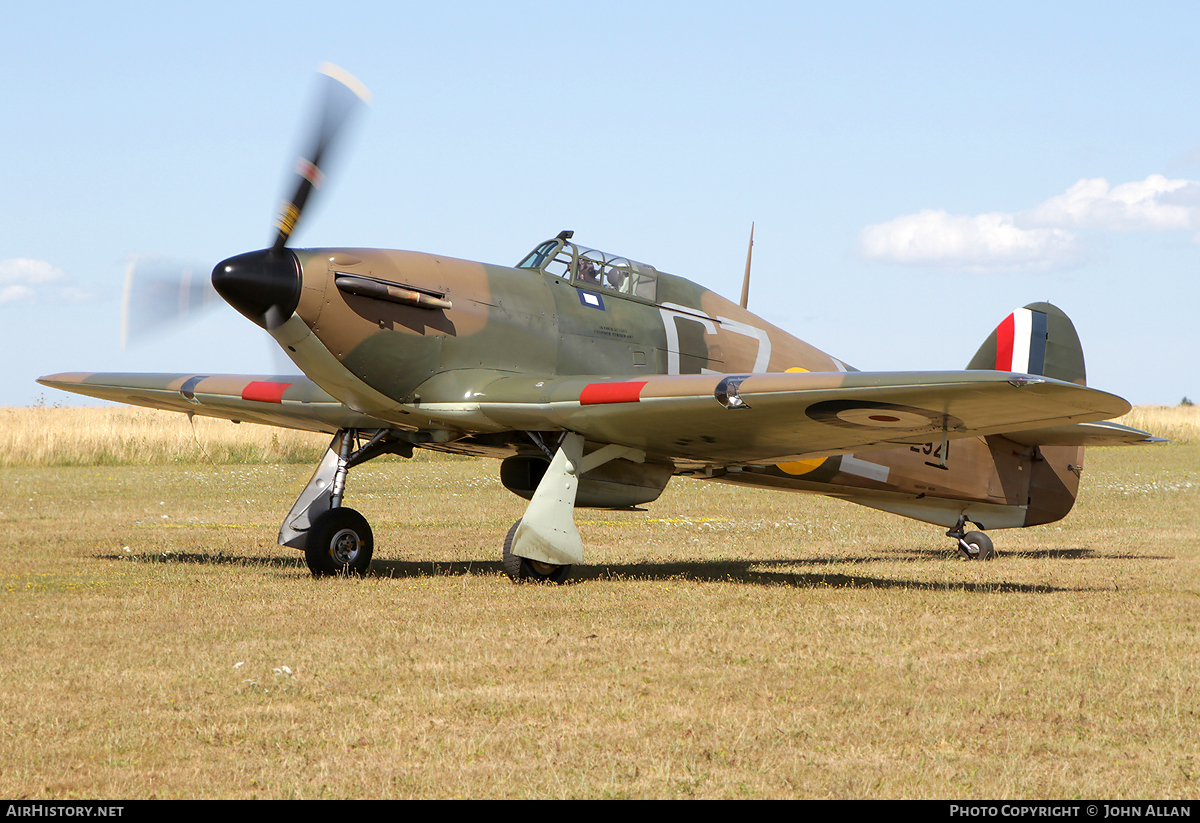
(590, 268)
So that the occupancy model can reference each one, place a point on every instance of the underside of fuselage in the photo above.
(992, 482)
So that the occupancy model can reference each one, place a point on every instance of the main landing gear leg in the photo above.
(972, 545)
(335, 539)
(544, 543)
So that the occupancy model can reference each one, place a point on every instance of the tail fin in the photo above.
(1038, 339)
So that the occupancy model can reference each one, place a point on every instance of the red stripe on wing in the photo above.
(596, 393)
(265, 392)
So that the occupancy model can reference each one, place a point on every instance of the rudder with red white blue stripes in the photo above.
(1036, 339)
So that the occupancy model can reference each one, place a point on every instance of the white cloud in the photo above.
(1043, 237)
(1153, 204)
(986, 241)
(11, 294)
(21, 278)
(23, 270)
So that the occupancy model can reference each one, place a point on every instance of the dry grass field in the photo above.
(724, 643)
(126, 435)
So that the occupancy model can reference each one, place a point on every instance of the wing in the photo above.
(767, 418)
(273, 400)
(725, 419)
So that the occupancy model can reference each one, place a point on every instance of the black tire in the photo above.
(340, 542)
(524, 570)
(981, 542)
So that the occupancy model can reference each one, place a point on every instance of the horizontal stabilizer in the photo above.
(1103, 433)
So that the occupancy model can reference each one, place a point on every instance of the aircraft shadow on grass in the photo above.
(751, 572)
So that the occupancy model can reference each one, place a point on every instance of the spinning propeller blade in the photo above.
(265, 285)
(159, 295)
(342, 95)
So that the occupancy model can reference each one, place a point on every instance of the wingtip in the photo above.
(62, 379)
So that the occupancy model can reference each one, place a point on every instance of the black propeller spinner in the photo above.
(264, 285)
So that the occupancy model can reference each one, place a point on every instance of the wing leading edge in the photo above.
(290, 402)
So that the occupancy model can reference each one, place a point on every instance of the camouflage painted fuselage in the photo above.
(448, 329)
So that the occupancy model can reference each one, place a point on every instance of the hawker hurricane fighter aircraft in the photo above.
(595, 379)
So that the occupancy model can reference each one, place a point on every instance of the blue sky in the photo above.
(915, 171)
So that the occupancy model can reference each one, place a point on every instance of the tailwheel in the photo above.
(976, 546)
(339, 542)
(971, 545)
(522, 569)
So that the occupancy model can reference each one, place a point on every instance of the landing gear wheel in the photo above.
(522, 569)
(339, 542)
(979, 546)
